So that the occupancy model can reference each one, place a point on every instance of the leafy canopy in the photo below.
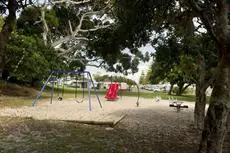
(29, 59)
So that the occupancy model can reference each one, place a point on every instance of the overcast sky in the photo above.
(142, 66)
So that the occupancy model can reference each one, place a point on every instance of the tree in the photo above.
(215, 125)
(214, 17)
(96, 35)
(8, 7)
(142, 78)
(7, 28)
(193, 64)
(65, 25)
(147, 77)
(1, 22)
(107, 78)
(201, 64)
(167, 65)
(29, 59)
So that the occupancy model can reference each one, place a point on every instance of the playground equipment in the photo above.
(157, 99)
(111, 93)
(83, 91)
(53, 76)
(177, 104)
(60, 96)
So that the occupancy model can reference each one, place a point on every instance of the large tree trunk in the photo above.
(7, 28)
(3, 43)
(215, 125)
(180, 88)
(170, 89)
(199, 112)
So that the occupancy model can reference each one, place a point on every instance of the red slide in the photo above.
(111, 93)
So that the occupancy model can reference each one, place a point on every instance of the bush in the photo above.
(30, 59)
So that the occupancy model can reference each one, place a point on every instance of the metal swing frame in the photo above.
(54, 73)
(83, 91)
(60, 90)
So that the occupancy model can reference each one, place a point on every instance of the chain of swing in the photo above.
(61, 88)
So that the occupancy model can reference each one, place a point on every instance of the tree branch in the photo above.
(94, 29)
(78, 29)
(74, 32)
(186, 87)
(45, 26)
(94, 65)
(65, 39)
(222, 21)
(96, 59)
(195, 6)
(82, 60)
(85, 62)
(82, 19)
(70, 28)
(70, 1)
(203, 18)
(209, 82)
(63, 51)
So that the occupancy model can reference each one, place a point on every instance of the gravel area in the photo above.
(69, 109)
(151, 127)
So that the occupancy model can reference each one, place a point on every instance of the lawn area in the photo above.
(23, 96)
(145, 94)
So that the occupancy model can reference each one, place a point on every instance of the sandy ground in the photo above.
(153, 126)
(69, 109)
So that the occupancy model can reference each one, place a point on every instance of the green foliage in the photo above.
(142, 78)
(132, 30)
(26, 22)
(64, 15)
(178, 60)
(147, 77)
(107, 78)
(175, 90)
(29, 22)
(29, 59)
(109, 43)
(1, 22)
(187, 91)
(165, 65)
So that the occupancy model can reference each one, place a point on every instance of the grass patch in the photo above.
(14, 102)
(18, 96)
(9, 101)
(68, 92)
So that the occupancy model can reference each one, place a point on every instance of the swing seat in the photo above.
(60, 98)
(178, 105)
(79, 100)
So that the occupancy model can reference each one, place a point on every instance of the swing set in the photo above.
(55, 74)
(60, 92)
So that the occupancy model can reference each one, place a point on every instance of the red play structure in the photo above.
(111, 93)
